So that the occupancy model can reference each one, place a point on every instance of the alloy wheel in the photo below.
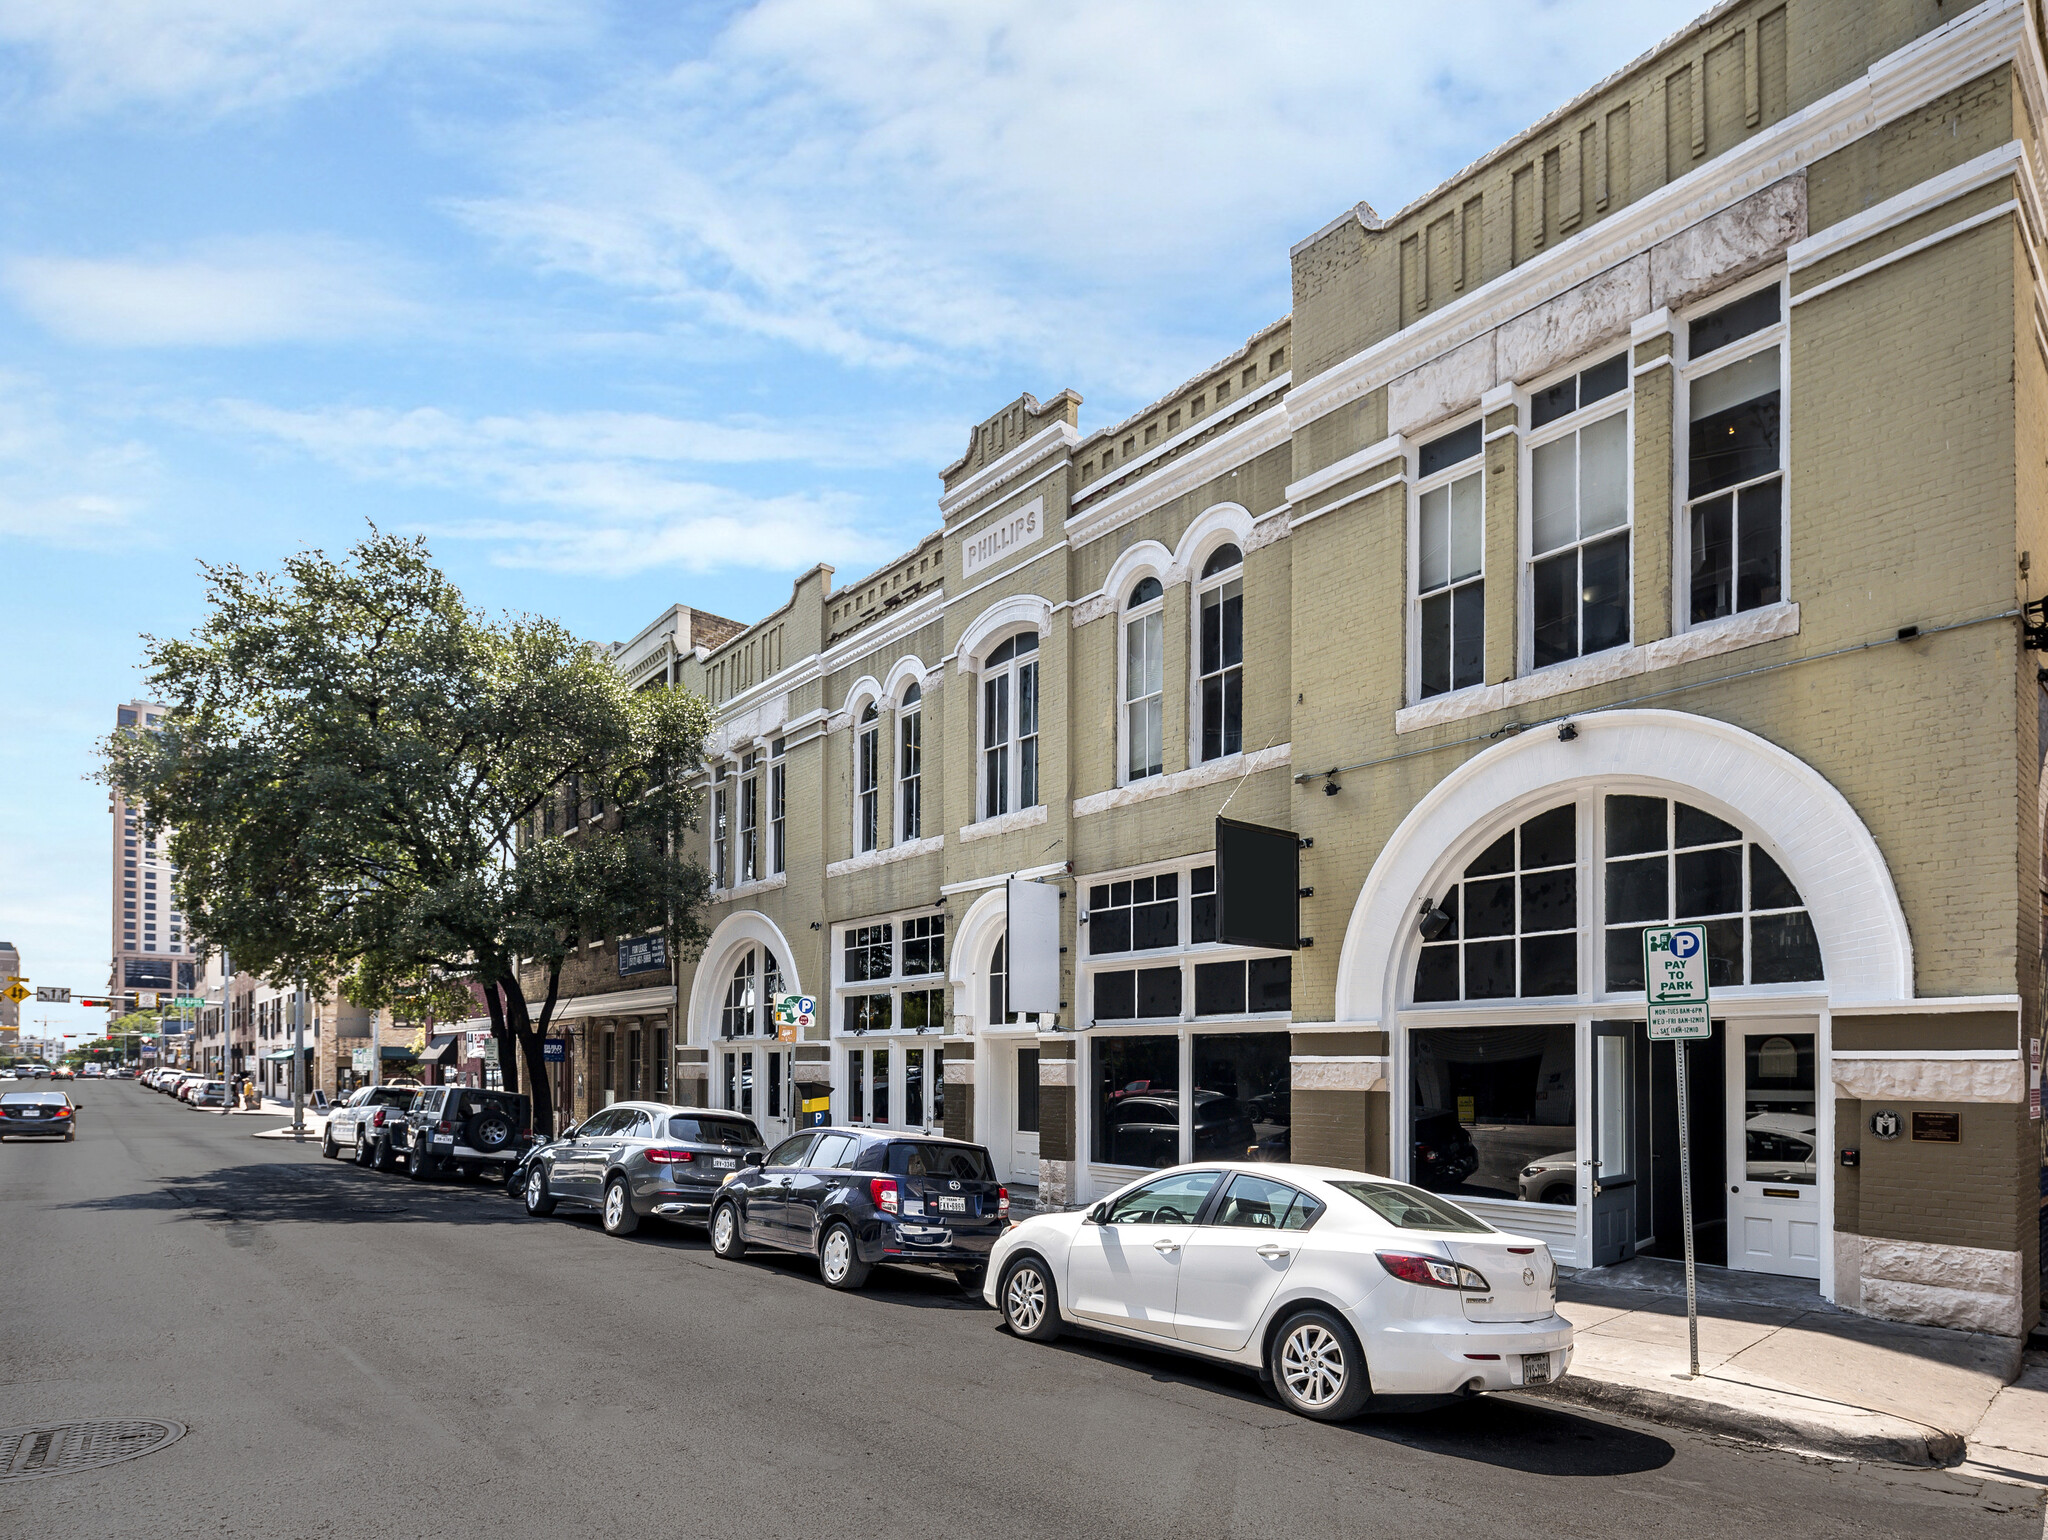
(1024, 1300)
(838, 1254)
(1312, 1364)
(614, 1205)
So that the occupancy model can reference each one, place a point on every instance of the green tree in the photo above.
(349, 761)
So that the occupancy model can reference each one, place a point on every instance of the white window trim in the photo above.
(1525, 534)
(898, 781)
(1417, 486)
(1198, 586)
(776, 826)
(1125, 618)
(1014, 761)
(861, 728)
(1686, 370)
(896, 985)
(899, 1063)
(1186, 955)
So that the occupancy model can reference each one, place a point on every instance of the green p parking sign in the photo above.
(1675, 981)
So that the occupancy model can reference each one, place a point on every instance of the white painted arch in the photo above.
(1809, 826)
(1224, 523)
(732, 935)
(1018, 612)
(970, 950)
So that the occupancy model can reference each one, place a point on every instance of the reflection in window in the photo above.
(1513, 916)
(910, 766)
(1578, 527)
(1137, 1101)
(1138, 914)
(1734, 468)
(1242, 1106)
(1494, 1112)
(1780, 1129)
(1450, 588)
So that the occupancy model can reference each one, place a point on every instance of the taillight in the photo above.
(378, 1120)
(1002, 1203)
(61, 1112)
(885, 1193)
(1431, 1272)
(446, 1127)
(671, 1157)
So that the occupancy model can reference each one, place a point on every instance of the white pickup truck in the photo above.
(359, 1124)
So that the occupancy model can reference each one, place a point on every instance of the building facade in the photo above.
(148, 944)
(1638, 528)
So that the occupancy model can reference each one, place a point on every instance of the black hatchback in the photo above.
(857, 1197)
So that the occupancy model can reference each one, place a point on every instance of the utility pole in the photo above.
(299, 1064)
(227, 1029)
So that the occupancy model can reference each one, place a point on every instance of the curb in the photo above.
(1887, 1438)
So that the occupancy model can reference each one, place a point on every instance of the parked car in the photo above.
(858, 1197)
(460, 1128)
(1550, 1178)
(364, 1123)
(37, 1115)
(1779, 1146)
(1303, 1274)
(641, 1160)
(208, 1093)
(1444, 1153)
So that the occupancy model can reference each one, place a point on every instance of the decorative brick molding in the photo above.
(1338, 1072)
(1005, 823)
(1056, 1072)
(1963, 1075)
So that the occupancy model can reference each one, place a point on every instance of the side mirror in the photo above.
(569, 1132)
(1099, 1215)
(757, 1157)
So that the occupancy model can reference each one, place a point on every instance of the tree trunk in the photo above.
(528, 1038)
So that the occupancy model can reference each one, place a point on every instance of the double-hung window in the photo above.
(1735, 465)
(721, 843)
(778, 804)
(910, 766)
(892, 975)
(868, 780)
(1450, 577)
(750, 817)
(1221, 683)
(1144, 679)
(1579, 513)
(1009, 726)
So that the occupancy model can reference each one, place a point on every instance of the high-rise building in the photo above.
(149, 946)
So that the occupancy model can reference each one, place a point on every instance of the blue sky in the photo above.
(625, 304)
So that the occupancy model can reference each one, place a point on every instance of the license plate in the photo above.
(444, 1138)
(723, 1165)
(31, 1114)
(1535, 1368)
(952, 1205)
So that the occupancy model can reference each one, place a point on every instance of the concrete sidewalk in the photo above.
(1781, 1366)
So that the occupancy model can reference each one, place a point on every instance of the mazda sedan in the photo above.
(1338, 1288)
(37, 1115)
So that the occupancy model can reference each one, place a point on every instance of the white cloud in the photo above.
(228, 293)
(214, 56)
(893, 181)
(60, 484)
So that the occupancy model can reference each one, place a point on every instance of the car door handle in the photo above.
(1163, 1245)
(1271, 1252)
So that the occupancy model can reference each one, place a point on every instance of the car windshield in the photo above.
(965, 1162)
(34, 1099)
(735, 1131)
(389, 1096)
(1413, 1209)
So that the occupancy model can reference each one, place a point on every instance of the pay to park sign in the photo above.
(1675, 981)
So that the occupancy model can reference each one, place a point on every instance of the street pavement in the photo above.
(363, 1356)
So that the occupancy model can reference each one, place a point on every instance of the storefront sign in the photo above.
(1675, 981)
(794, 1015)
(642, 954)
(1938, 1127)
(554, 1050)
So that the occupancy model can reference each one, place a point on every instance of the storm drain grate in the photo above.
(59, 1448)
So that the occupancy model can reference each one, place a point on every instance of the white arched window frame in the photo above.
(1143, 674)
(1219, 654)
(910, 764)
(753, 980)
(867, 760)
(1007, 731)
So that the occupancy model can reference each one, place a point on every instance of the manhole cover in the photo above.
(58, 1448)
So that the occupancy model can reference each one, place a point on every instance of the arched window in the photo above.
(910, 766)
(1009, 726)
(868, 780)
(1220, 685)
(999, 1013)
(1144, 679)
(750, 997)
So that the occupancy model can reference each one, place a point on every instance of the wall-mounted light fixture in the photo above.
(1432, 921)
(1567, 733)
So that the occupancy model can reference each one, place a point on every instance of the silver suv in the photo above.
(642, 1160)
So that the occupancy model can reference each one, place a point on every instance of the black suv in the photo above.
(855, 1197)
(462, 1129)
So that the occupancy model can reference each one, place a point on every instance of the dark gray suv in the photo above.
(642, 1160)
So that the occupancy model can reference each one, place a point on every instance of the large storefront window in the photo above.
(1239, 1109)
(1494, 1111)
(1137, 1101)
(1242, 1085)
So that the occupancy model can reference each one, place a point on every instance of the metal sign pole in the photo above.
(299, 1065)
(1692, 1298)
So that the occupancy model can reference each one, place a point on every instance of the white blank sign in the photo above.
(1034, 947)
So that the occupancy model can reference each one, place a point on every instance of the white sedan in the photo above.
(1336, 1286)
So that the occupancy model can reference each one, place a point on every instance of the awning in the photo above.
(398, 1053)
(440, 1048)
(281, 1053)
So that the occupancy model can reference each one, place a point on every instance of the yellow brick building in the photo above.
(1638, 528)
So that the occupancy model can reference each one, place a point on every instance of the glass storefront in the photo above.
(1494, 1112)
(1239, 1107)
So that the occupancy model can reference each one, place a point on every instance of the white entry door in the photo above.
(1774, 1148)
(1023, 1122)
(755, 1081)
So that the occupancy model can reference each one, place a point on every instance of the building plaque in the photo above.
(1938, 1127)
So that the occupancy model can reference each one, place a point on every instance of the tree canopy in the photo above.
(350, 773)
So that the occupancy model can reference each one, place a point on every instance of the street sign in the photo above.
(794, 1015)
(49, 995)
(359, 1060)
(554, 1050)
(1675, 981)
(15, 993)
(187, 1003)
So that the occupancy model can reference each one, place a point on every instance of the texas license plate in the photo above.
(444, 1138)
(723, 1165)
(32, 1113)
(1535, 1368)
(952, 1205)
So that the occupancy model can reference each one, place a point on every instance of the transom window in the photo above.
(721, 830)
(1735, 484)
(778, 807)
(1513, 918)
(750, 995)
(1144, 679)
(1579, 514)
(750, 817)
(1009, 726)
(910, 766)
(892, 975)
(868, 780)
(1139, 967)
(1221, 680)
(1450, 583)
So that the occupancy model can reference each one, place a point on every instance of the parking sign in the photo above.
(1675, 981)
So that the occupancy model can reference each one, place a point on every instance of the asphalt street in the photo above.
(360, 1356)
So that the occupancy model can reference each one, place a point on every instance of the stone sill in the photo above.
(1214, 771)
(869, 860)
(749, 889)
(1729, 634)
(1004, 823)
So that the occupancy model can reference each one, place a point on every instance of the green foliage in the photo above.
(350, 754)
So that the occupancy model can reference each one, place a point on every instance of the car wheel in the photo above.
(417, 1164)
(726, 1241)
(362, 1150)
(1563, 1193)
(538, 1202)
(619, 1218)
(381, 1157)
(1318, 1367)
(328, 1147)
(1029, 1301)
(839, 1264)
(972, 1278)
(70, 1134)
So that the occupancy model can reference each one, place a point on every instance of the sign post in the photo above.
(1675, 984)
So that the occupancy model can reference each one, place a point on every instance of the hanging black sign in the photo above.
(1258, 880)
